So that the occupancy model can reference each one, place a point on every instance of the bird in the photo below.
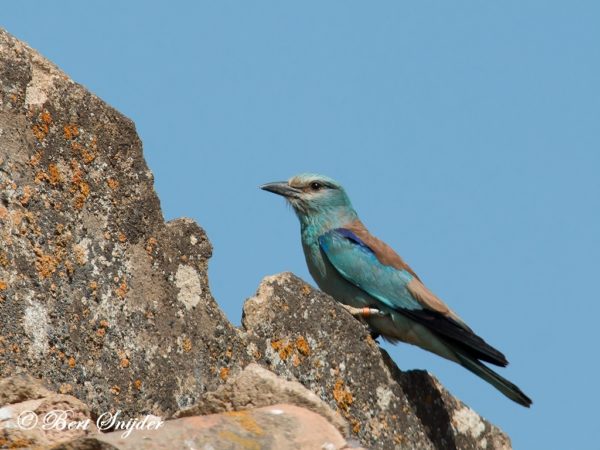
(374, 283)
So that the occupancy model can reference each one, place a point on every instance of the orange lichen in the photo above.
(112, 183)
(121, 291)
(224, 373)
(40, 131)
(3, 285)
(27, 192)
(342, 395)
(305, 289)
(87, 156)
(46, 117)
(78, 185)
(295, 361)
(124, 363)
(71, 131)
(35, 159)
(355, 425)
(116, 390)
(302, 346)
(71, 362)
(137, 384)
(122, 237)
(284, 348)
(41, 176)
(54, 175)
(45, 264)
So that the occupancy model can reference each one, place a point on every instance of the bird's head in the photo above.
(312, 194)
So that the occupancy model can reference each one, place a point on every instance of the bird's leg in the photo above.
(363, 312)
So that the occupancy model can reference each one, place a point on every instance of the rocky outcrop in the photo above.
(37, 418)
(110, 306)
(300, 333)
(98, 295)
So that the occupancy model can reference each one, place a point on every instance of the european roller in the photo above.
(374, 283)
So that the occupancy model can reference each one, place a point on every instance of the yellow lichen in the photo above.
(245, 419)
(186, 345)
(65, 388)
(239, 441)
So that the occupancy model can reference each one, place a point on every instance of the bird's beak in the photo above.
(281, 188)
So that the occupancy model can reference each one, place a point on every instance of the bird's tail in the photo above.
(502, 384)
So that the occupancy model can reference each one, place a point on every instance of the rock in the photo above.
(302, 334)
(256, 386)
(277, 427)
(37, 417)
(85, 443)
(20, 388)
(97, 293)
(448, 421)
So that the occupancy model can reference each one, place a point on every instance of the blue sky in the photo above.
(466, 133)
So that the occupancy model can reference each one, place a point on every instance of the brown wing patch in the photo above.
(384, 253)
(430, 301)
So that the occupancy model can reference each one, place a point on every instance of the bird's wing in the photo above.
(388, 257)
(399, 290)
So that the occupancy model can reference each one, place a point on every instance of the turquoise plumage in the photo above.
(374, 283)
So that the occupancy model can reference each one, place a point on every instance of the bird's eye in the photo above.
(315, 185)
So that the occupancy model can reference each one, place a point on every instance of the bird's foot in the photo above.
(363, 312)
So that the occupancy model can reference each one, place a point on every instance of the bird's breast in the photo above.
(330, 281)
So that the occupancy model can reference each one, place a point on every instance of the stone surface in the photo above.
(98, 295)
(277, 427)
(256, 386)
(34, 417)
(300, 333)
(448, 422)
